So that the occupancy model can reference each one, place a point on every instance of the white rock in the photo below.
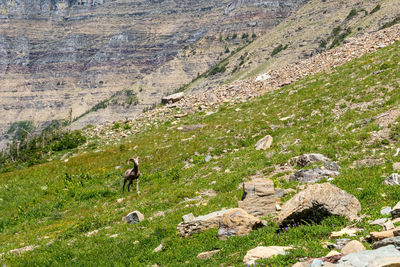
(263, 253)
(264, 143)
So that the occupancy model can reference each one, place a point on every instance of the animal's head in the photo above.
(135, 161)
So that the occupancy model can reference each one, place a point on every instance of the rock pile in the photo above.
(328, 170)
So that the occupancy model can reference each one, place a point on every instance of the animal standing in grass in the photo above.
(132, 174)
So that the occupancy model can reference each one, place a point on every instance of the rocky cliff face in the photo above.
(61, 54)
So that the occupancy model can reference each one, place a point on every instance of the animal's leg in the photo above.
(129, 184)
(123, 187)
(137, 186)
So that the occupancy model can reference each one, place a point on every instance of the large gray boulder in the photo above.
(384, 256)
(191, 224)
(237, 222)
(258, 197)
(318, 201)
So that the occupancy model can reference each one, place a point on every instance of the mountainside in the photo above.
(315, 27)
(60, 55)
(326, 144)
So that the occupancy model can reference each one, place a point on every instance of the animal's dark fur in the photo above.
(132, 174)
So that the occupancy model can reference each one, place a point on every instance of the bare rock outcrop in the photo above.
(258, 197)
(318, 201)
(237, 222)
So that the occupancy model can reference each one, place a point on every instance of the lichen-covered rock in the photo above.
(134, 217)
(237, 222)
(191, 224)
(258, 197)
(318, 201)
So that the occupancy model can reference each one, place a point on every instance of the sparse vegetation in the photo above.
(391, 23)
(278, 49)
(352, 14)
(375, 9)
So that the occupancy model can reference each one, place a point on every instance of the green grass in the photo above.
(55, 204)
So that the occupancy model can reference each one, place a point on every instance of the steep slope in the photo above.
(69, 212)
(311, 29)
(61, 55)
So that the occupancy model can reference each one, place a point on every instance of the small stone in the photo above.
(278, 207)
(393, 179)
(396, 166)
(352, 247)
(207, 158)
(158, 249)
(134, 217)
(386, 210)
(263, 253)
(396, 211)
(207, 254)
(384, 234)
(188, 218)
(264, 143)
(380, 221)
(332, 253)
(388, 226)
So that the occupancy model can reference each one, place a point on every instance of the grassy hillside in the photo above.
(54, 205)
